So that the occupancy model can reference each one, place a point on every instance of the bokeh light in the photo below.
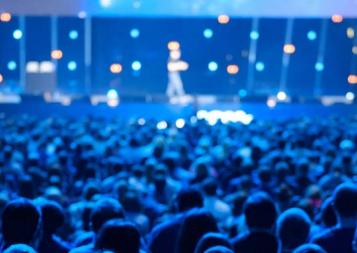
(5, 17)
(17, 34)
(223, 19)
(350, 96)
(56, 54)
(105, 3)
(11, 65)
(212, 66)
(337, 18)
(350, 32)
(243, 93)
(116, 68)
(232, 69)
(180, 123)
(354, 49)
(134, 33)
(312, 35)
(352, 79)
(289, 49)
(254, 35)
(161, 125)
(136, 65)
(319, 66)
(72, 66)
(271, 102)
(208, 33)
(112, 94)
(1, 78)
(73, 34)
(260, 66)
(173, 45)
(281, 96)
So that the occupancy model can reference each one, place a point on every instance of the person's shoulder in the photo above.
(83, 249)
(323, 235)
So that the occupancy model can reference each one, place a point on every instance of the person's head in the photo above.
(345, 201)
(260, 211)
(210, 240)
(219, 249)
(328, 215)
(19, 248)
(189, 198)
(118, 236)
(52, 216)
(309, 248)
(20, 222)
(293, 228)
(104, 210)
(197, 223)
(210, 187)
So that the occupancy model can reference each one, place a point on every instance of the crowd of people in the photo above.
(91, 185)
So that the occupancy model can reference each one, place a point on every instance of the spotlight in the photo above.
(11, 65)
(289, 49)
(208, 33)
(173, 45)
(337, 18)
(271, 103)
(180, 123)
(232, 69)
(5, 17)
(350, 32)
(352, 79)
(141, 121)
(161, 125)
(134, 33)
(116, 68)
(281, 96)
(312, 35)
(72, 66)
(105, 3)
(136, 65)
(112, 94)
(254, 35)
(73, 34)
(259, 66)
(350, 96)
(212, 66)
(17, 34)
(319, 66)
(56, 54)
(223, 19)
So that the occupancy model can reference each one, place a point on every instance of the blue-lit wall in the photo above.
(321, 64)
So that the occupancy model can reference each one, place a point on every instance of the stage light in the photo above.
(116, 68)
(1, 78)
(254, 35)
(105, 3)
(319, 66)
(161, 125)
(73, 34)
(208, 33)
(11, 65)
(350, 32)
(354, 50)
(271, 103)
(337, 18)
(82, 14)
(17, 34)
(350, 96)
(136, 65)
(5, 17)
(112, 94)
(173, 45)
(281, 96)
(259, 66)
(134, 33)
(352, 79)
(212, 66)
(180, 123)
(232, 69)
(312, 35)
(72, 66)
(141, 121)
(56, 54)
(289, 49)
(201, 114)
(242, 93)
(223, 19)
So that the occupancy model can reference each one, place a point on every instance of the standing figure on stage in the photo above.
(174, 66)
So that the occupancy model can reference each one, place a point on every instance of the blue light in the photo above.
(11, 65)
(254, 35)
(73, 34)
(136, 65)
(208, 33)
(112, 94)
(259, 66)
(72, 66)
(212, 66)
(134, 33)
(319, 66)
(17, 34)
(312, 35)
(105, 3)
(242, 93)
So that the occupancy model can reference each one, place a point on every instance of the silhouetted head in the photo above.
(345, 200)
(189, 198)
(210, 240)
(309, 248)
(219, 249)
(19, 248)
(52, 216)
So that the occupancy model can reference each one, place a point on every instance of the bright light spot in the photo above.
(11, 65)
(180, 123)
(201, 114)
(32, 67)
(72, 66)
(289, 49)
(259, 66)
(337, 18)
(141, 121)
(232, 69)
(312, 35)
(134, 33)
(212, 117)
(161, 125)
(354, 49)
(350, 32)
(1, 78)
(243, 93)
(116, 68)
(350, 96)
(113, 102)
(46, 67)
(281, 96)
(82, 14)
(254, 35)
(223, 19)
(112, 94)
(352, 79)
(136, 4)
(173, 45)
(105, 3)
(212, 66)
(271, 103)
(17, 34)
(193, 119)
(136, 65)
(5, 17)
(56, 54)
(208, 33)
(319, 66)
(73, 34)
